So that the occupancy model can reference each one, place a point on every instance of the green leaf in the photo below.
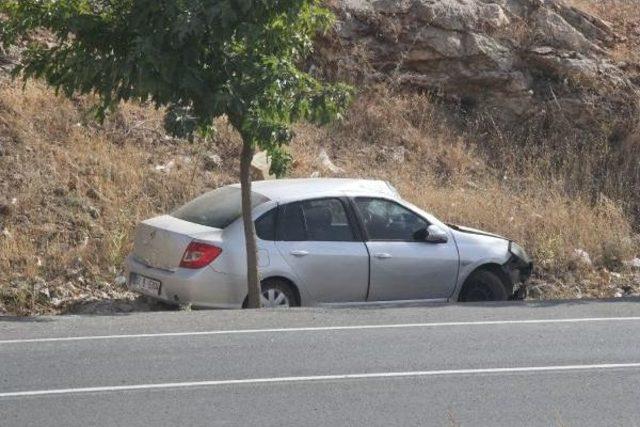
(200, 59)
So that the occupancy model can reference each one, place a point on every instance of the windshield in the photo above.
(217, 208)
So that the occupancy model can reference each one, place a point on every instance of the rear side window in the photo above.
(326, 221)
(321, 220)
(266, 225)
(291, 223)
(217, 208)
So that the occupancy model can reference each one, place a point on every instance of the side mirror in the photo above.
(431, 234)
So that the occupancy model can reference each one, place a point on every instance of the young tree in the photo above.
(199, 59)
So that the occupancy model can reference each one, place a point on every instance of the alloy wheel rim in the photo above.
(274, 298)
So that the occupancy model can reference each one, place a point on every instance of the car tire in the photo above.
(483, 285)
(272, 289)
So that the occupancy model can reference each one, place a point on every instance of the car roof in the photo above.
(303, 188)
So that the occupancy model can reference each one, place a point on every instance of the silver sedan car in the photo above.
(320, 241)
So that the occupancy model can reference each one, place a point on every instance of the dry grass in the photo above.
(445, 173)
(624, 15)
(80, 188)
(75, 191)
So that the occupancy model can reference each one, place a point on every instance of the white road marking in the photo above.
(313, 378)
(322, 328)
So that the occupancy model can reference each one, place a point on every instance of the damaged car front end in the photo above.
(483, 251)
(519, 268)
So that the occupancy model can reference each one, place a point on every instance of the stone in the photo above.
(551, 29)
(184, 307)
(167, 167)
(582, 257)
(260, 167)
(326, 163)
(212, 161)
(498, 54)
(633, 263)
(534, 292)
(120, 281)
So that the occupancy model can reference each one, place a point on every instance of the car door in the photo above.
(318, 241)
(403, 268)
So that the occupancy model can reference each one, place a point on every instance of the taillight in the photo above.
(198, 255)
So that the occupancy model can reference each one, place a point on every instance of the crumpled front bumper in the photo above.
(519, 269)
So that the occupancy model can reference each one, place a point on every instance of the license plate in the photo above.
(146, 284)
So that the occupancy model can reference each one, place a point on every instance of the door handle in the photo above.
(299, 253)
(382, 255)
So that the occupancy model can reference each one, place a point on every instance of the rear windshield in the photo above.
(217, 208)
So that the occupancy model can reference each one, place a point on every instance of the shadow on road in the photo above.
(125, 307)
(101, 307)
(110, 307)
(495, 304)
(26, 319)
(549, 303)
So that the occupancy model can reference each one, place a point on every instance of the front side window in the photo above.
(387, 220)
(321, 220)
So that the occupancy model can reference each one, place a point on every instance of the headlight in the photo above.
(519, 252)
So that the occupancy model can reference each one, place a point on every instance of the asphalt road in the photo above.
(573, 363)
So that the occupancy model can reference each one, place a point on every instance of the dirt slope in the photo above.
(472, 151)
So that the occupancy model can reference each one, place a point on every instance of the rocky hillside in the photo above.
(515, 58)
(543, 73)
(516, 116)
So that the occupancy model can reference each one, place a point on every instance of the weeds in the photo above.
(553, 185)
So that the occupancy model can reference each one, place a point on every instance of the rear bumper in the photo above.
(202, 288)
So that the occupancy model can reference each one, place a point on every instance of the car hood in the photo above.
(477, 247)
(469, 230)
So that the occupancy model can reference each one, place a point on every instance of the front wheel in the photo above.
(483, 286)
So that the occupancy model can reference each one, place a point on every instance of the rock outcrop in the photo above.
(512, 56)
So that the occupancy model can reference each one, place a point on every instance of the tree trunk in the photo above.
(253, 282)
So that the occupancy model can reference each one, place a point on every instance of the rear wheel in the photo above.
(483, 286)
(277, 293)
